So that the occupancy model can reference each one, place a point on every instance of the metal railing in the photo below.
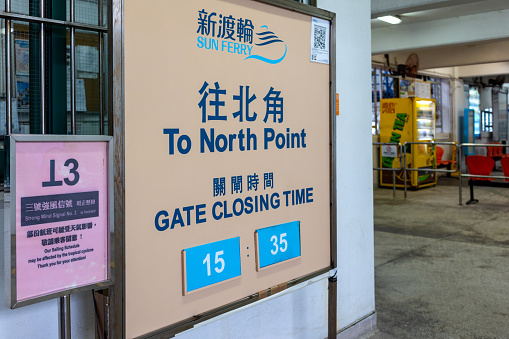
(394, 170)
(459, 161)
(473, 175)
(433, 144)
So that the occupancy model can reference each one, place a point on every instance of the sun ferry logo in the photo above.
(227, 34)
(268, 37)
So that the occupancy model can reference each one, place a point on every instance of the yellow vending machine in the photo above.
(409, 120)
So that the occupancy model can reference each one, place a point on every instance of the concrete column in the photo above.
(356, 290)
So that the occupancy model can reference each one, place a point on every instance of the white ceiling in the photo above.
(453, 11)
(445, 33)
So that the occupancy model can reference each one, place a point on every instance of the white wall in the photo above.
(486, 98)
(486, 70)
(458, 105)
(453, 100)
(300, 312)
(446, 107)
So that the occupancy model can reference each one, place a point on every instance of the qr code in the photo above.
(319, 37)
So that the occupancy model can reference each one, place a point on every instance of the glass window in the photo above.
(487, 120)
(474, 101)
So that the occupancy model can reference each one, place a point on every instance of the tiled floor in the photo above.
(441, 269)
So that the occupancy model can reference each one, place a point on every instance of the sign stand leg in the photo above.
(332, 331)
(64, 317)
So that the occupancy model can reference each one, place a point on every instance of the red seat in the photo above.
(480, 165)
(489, 151)
(497, 151)
(505, 167)
(440, 153)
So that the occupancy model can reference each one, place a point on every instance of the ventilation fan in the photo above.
(498, 82)
(412, 65)
(410, 68)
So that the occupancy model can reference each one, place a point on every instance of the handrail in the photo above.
(400, 148)
(459, 151)
(431, 143)
(461, 175)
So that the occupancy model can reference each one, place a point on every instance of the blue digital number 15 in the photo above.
(210, 264)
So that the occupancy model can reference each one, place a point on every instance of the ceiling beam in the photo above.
(397, 7)
(453, 55)
(483, 70)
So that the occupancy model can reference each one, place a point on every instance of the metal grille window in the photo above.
(53, 67)
(436, 93)
(382, 87)
(487, 120)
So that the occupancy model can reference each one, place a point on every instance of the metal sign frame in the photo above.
(10, 214)
(117, 293)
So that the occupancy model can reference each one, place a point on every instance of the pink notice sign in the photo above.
(62, 234)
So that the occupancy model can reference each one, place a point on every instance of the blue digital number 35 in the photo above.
(278, 243)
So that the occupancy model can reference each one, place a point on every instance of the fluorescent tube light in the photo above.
(390, 19)
(424, 102)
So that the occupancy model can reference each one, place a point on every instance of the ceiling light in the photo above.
(390, 19)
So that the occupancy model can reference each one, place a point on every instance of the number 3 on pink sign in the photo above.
(72, 171)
